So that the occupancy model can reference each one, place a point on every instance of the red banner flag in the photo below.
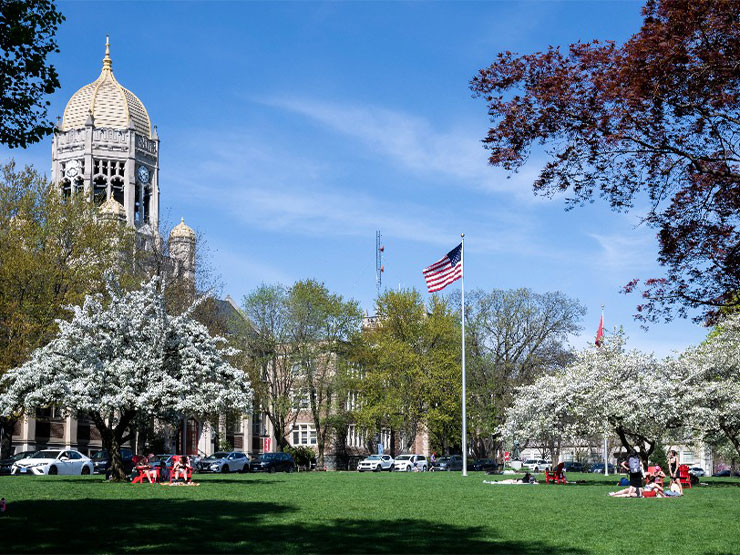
(600, 331)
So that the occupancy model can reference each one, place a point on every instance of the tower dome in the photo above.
(182, 231)
(109, 103)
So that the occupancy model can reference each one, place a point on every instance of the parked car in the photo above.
(484, 465)
(376, 463)
(273, 462)
(574, 467)
(453, 462)
(7, 464)
(726, 473)
(537, 465)
(598, 468)
(407, 463)
(697, 471)
(52, 461)
(222, 461)
(101, 461)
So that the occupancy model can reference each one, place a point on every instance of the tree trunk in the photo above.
(112, 439)
(6, 426)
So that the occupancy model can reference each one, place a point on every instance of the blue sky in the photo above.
(292, 131)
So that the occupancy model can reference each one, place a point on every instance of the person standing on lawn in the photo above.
(633, 465)
(673, 465)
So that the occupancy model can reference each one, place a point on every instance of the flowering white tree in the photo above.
(123, 357)
(711, 389)
(626, 393)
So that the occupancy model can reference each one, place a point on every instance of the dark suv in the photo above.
(453, 462)
(574, 467)
(101, 461)
(273, 462)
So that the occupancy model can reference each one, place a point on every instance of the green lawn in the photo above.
(351, 512)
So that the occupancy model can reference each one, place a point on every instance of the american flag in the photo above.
(446, 270)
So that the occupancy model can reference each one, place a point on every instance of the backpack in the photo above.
(624, 482)
(634, 463)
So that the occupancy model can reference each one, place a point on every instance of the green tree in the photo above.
(512, 337)
(53, 251)
(27, 29)
(322, 325)
(269, 354)
(410, 359)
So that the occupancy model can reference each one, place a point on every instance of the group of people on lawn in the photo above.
(154, 470)
(653, 479)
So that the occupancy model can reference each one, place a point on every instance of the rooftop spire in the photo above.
(107, 62)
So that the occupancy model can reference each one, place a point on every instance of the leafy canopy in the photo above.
(653, 122)
(27, 29)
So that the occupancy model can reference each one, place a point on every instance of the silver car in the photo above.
(222, 461)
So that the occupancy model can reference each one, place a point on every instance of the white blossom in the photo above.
(128, 355)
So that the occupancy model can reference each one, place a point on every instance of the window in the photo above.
(385, 438)
(352, 401)
(304, 434)
(299, 397)
(355, 436)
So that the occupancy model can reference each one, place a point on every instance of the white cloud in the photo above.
(251, 181)
(414, 144)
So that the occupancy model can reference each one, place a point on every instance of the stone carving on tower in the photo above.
(106, 148)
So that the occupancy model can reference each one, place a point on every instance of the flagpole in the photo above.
(606, 428)
(464, 428)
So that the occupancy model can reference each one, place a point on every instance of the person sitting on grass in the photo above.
(527, 479)
(653, 477)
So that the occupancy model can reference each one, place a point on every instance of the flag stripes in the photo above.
(446, 270)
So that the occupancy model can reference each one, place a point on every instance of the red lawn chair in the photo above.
(189, 477)
(556, 476)
(683, 475)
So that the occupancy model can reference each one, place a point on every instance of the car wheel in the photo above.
(408, 469)
(272, 470)
(391, 468)
(378, 468)
(536, 469)
(225, 469)
(53, 471)
(290, 470)
(360, 470)
(85, 470)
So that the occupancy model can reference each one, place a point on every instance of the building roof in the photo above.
(182, 230)
(108, 102)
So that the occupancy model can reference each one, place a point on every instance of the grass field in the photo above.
(351, 512)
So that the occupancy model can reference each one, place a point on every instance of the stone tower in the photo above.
(182, 251)
(105, 148)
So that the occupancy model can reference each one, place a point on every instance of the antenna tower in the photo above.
(379, 268)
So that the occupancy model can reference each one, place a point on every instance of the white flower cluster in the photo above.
(608, 389)
(128, 354)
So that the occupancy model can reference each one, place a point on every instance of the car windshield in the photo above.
(444, 459)
(530, 461)
(100, 455)
(269, 456)
(47, 454)
(374, 458)
(216, 456)
(404, 458)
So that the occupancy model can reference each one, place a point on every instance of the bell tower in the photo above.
(106, 149)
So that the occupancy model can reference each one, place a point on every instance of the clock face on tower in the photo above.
(143, 174)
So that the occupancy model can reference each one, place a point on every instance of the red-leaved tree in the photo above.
(653, 121)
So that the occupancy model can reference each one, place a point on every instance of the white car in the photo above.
(376, 463)
(537, 465)
(697, 471)
(407, 463)
(53, 461)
